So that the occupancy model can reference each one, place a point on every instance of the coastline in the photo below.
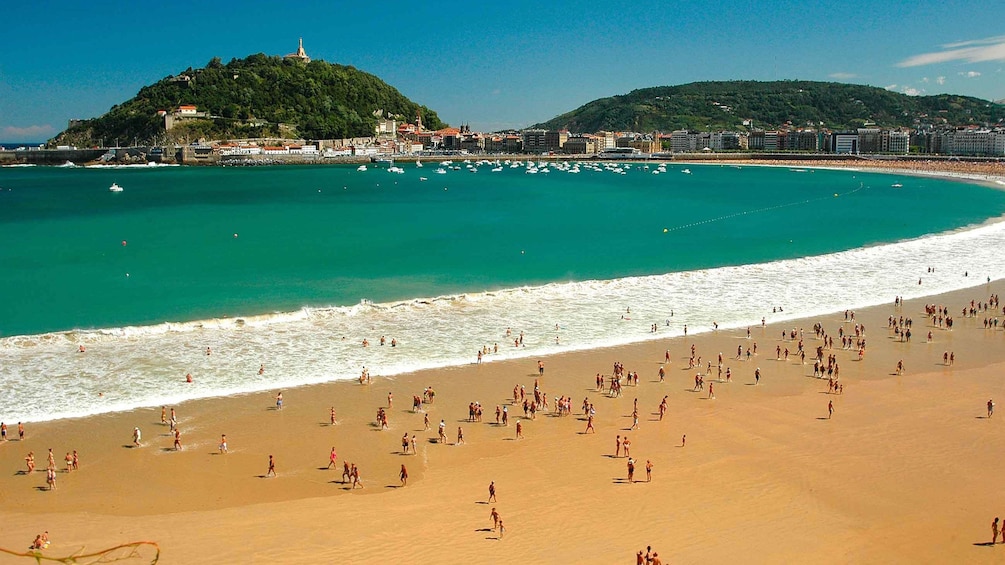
(756, 482)
(895, 475)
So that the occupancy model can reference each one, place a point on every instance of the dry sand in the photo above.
(904, 472)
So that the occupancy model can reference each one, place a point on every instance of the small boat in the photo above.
(115, 188)
(423, 179)
(361, 168)
(897, 185)
(418, 164)
(686, 171)
(441, 171)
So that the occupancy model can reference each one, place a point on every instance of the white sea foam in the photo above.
(43, 377)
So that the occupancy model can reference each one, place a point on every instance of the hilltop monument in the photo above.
(300, 55)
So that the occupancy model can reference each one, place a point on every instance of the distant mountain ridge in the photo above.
(719, 105)
(250, 98)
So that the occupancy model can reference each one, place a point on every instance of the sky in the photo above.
(494, 65)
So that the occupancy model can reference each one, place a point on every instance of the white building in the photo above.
(845, 142)
(971, 142)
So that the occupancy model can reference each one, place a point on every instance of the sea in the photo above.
(292, 268)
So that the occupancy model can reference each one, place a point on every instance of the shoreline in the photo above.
(94, 337)
(217, 498)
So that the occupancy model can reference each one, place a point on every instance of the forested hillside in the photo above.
(725, 105)
(251, 97)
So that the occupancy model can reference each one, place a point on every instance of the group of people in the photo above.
(72, 461)
(650, 557)
(3, 431)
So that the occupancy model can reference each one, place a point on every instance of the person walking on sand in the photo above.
(830, 409)
(177, 439)
(279, 401)
(519, 430)
(403, 475)
(332, 416)
(649, 471)
(404, 444)
(332, 457)
(991, 408)
(495, 518)
(136, 436)
(492, 491)
(589, 425)
(272, 468)
(223, 443)
(50, 478)
(20, 431)
(631, 470)
(617, 446)
(757, 375)
(412, 443)
(502, 529)
(994, 531)
(628, 446)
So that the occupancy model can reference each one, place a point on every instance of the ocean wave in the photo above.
(44, 377)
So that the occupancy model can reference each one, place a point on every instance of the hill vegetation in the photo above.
(259, 96)
(725, 105)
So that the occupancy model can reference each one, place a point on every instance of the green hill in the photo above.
(259, 96)
(725, 105)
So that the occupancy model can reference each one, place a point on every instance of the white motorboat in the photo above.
(361, 168)
(115, 188)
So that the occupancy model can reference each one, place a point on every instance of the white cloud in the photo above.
(924, 80)
(29, 133)
(985, 41)
(940, 80)
(974, 51)
(912, 91)
(842, 76)
(970, 74)
(891, 87)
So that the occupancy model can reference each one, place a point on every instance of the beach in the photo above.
(902, 472)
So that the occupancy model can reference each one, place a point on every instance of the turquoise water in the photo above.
(329, 236)
(326, 257)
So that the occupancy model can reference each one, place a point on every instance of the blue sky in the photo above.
(494, 65)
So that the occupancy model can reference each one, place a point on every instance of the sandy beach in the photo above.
(903, 471)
